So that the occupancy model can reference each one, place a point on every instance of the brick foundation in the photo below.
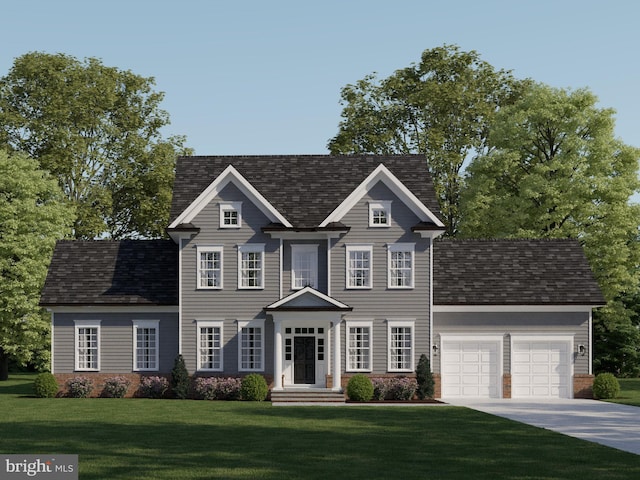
(437, 388)
(506, 385)
(582, 385)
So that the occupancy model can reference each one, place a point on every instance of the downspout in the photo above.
(431, 302)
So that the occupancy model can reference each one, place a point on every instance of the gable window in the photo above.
(359, 266)
(359, 346)
(209, 345)
(400, 338)
(401, 270)
(251, 351)
(250, 266)
(145, 345)
(87, 345)
(209, 267)
(231, 215)
(304, 266)
(380, 214)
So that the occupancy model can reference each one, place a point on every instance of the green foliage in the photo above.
(45, 385)
(33, 215)
(97, 130)
(606, 385)
(360, 388)
(153, 387)
(424, 377)
(254, 388)
(116, 387)
(180, 378)
(439, 107)
(79, 387)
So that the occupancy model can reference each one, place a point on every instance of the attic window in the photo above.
(231, 215)
(380, 214)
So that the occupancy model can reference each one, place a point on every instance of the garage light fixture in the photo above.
(435, 349)
(582, 350)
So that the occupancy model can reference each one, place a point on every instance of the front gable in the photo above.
(308, 299)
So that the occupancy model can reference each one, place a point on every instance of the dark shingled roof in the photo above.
(512, 272)
(303, 188)
(128, 272)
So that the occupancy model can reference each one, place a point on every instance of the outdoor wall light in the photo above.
(435, 349)
(582, 350)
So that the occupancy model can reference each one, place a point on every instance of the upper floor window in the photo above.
(304, 266)
(209, 267)
(401, 269)
(251, 265)
(87, 345)
(145, 345)
(380, 214)
(359, 266)
(231, 215)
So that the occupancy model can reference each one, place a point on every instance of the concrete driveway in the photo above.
(610, 424)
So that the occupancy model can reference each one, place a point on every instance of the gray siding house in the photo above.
(309, 269)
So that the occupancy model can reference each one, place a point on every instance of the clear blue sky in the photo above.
(264, 77)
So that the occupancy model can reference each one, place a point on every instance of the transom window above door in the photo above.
(304, 266)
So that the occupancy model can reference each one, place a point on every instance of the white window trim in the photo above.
(401, 323)
(362, 324)
(230, 207)
(356, 248)
(146, 324)
(251, 324)
(78, 324)
(209, 324)
(401, 247)
(251, 248)
(380, 205)
(300, 249)
(206, 249)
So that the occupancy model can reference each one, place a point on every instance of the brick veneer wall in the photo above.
(582, 385)
(506, 385)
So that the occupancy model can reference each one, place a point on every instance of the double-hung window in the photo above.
(359, 348)
(251, 351)
(210, 345)
(401, 265)
(146, 345)
(359, 264)
(87, 345)
(209, 267)
(251, 266)
(304, 266)
(401, 345)
(380, 214)
(231, 215)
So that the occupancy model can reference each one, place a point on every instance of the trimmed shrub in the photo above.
(116, 387)
(254, 388)
(217, 388)
(360, 388)
(45, 385)
(153, 387)
(424, 377)
(381, 387)
(606, 385)
(402, 388)
(180, 379)
(79, 387)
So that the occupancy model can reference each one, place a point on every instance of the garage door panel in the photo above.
(541, 368)
(470, 368)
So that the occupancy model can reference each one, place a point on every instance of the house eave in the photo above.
(522, 307)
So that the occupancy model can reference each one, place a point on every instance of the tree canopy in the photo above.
(33, 215)
(440, 107)
(97, 129)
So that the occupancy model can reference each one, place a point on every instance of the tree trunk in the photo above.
(4, 365)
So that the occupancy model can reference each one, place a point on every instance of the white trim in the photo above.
(77, 325)
(329, 266)
(384, 205)
(352, 247)
(146, 324)
(590, 336)
(256, 323)
(513, 308)
(182, 245)
(401, 247)
(401, 322)
(358, 324)
(251, 248)
(230, 207)
(209, 249)
(230, 175)
(431, 303)
(312, 235)
(209, 324)
(310, 249)
(103, 309)
(384, 175)
(310, 291)
(51, 349)
(281, 273)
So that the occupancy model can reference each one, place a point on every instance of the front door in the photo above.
(304, 364)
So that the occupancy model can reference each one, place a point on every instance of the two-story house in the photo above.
(309, 269)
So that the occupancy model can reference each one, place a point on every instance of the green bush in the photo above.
(360, 388)
(254, 388)
(606, 385)
(116, 387)
(79, 387)
(424, 377)
(180, 379)
(45, 385)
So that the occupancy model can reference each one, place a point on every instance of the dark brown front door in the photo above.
(304, 360)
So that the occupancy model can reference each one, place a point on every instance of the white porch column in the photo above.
(277, 356)
(337, 373)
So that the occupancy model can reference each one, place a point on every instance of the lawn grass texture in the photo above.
(187, 439)
(629, 392)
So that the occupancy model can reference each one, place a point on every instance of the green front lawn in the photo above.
(629, 392)
(186, 439)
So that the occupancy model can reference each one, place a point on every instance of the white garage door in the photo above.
(470, 368)
(540, 368)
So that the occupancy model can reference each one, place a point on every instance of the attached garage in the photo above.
(471, 367)
(541, 367)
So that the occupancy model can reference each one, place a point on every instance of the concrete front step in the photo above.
(307, 396)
